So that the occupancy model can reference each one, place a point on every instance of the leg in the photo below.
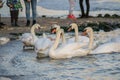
(88, 8)
(0, 21)
(16, 17)
(34, 12)
(81, 7)
(72, 6)
(27, 6)
(12, 18)
(71, 9)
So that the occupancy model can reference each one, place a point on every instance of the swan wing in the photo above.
(68, 51)
(42, 44)
(107, 48)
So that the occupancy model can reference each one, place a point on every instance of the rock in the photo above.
(4, 40)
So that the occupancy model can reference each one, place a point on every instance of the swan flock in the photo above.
(63, 46)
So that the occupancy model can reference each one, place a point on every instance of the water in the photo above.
(95, 5)
(23, 65)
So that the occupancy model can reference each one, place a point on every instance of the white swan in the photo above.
(70, 50)
(99, 38)
(77, 38)
(42, 45)
(27, 38)
(108, 47)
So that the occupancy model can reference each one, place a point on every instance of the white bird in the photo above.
(42, 45)
(77, 38)
(108, 47)
(70, 50)
(4, 40)
(27, 38)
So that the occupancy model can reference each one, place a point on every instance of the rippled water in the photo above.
(95, 5)
(23, 65)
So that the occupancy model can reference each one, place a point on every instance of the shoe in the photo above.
(1, 23)
(28, 23)
(71, 16)
(34, 22)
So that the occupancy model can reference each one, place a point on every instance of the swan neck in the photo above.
(33, 31)
(76, 34)
(63, 38)
(55, 45)
(91, 40)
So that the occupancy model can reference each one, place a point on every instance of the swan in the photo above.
(111, 46)
(81, 39)
(99, 38)
(42, 45)
(70, 50)
(27, 38)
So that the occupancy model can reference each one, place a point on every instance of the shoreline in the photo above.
(47, 22)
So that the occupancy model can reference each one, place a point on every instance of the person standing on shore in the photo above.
(15, 6)
(71, 9)
(33, 5)
(84, 15)
(1, 5)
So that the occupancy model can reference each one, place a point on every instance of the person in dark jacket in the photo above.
(83, 14)
(15, 6)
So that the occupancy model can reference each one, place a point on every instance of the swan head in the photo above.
(55, 28)
(87, 30)
(72, 26)
(37, 26)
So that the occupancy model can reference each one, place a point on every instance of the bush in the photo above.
(99, 15)
(107, 15)
(115, 16)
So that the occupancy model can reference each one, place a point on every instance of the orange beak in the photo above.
(53, 31)
(39, 28)
(70, 29)
(84, 33)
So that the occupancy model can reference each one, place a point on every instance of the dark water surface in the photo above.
(23, 65)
